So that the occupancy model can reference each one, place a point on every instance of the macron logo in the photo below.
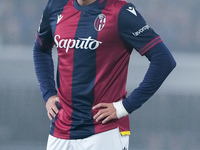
(59, 18)
(132, 10)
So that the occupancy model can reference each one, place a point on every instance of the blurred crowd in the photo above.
(19, 20)
(177, 21)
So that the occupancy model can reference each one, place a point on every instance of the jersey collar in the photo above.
(84, 8)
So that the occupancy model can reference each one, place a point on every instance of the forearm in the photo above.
(44, 70)
(161, 64)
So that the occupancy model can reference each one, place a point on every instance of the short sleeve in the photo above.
(44, 33)
(134, 30)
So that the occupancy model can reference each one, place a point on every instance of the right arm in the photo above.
(43, 62)
(44, 70)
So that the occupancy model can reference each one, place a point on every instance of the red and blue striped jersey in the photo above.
(94, 44)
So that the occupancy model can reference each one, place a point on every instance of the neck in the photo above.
(85, 2)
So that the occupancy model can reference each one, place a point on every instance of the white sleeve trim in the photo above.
(120, 110)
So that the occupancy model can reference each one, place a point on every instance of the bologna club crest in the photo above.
(100, 22)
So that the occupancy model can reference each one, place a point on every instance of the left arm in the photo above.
(134, 30)
(161, 64)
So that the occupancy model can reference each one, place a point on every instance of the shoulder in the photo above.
(55, 4)
(129, 13)
(121, 7)
(127, 8)
(120, 3)
(52, 4)
(49, 4)
(55, 8)
(116, 4)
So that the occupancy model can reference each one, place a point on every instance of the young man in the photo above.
(94, 40)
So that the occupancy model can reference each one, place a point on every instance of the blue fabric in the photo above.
(44, 70)
(130, 24)
(161, 64)
(84, 61)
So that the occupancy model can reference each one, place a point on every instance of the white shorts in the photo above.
(109, 140)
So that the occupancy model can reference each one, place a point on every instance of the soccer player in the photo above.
(94, 39)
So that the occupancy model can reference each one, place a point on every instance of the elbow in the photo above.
(172, 63)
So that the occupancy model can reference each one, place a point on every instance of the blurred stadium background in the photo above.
(168, 121)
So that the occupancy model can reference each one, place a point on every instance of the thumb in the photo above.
(57, 99)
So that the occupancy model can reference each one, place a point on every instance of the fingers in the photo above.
(101, 115)
(55, 108)
(109, 118)
(51, 107)
(57, 99)
(52, 112)
(106, 114)
(100, 105)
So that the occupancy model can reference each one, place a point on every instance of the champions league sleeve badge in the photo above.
(100, 22)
